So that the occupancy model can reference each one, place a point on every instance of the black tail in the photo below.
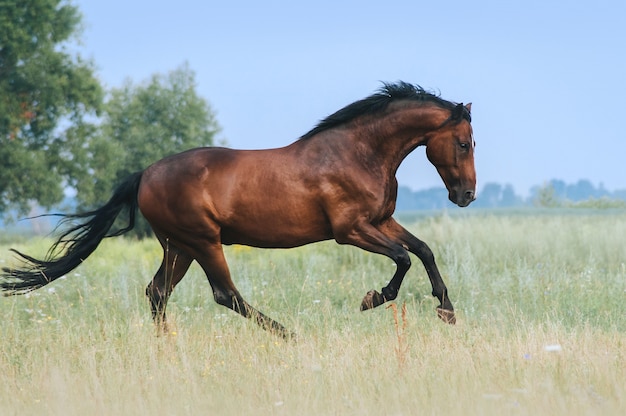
(75, 244)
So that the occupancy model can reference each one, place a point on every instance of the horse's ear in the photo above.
(457, 112)
(469, 107)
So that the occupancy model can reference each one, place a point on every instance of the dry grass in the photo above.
(541, 330)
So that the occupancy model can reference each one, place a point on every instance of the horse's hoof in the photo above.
(372, 300)
(446, 315)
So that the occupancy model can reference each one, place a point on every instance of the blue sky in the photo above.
(547, 79)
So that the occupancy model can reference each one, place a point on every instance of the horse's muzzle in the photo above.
(463, 198)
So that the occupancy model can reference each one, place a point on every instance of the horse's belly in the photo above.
(275, 233)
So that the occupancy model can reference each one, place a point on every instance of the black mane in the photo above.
(378, 102)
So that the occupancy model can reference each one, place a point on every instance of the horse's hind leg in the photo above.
(226, 294)
(173, 267)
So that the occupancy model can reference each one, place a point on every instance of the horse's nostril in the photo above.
(469, 195)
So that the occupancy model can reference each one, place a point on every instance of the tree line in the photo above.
(553, 193)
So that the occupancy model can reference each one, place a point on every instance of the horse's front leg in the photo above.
(370, 238)
(373, 298)
(445, 310)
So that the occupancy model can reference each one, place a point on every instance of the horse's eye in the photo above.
(464, 145)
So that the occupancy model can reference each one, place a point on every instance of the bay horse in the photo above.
(336, 182)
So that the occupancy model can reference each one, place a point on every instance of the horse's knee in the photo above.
(424, 253)
(402, 259)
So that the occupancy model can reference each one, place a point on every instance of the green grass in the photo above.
(540, 300)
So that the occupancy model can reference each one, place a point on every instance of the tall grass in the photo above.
(541, 329)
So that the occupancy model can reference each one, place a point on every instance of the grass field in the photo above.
(541, 309)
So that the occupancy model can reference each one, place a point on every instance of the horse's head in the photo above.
(450, 148)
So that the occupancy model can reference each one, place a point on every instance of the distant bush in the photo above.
(598, 203)
(547, 197)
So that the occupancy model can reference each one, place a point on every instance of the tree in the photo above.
(46, 95)
(490, 195)
(142, 124)
(584, 189)
(509, 198)
(545, 196)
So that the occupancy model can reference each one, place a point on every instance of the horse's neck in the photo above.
(396, 135)
(379, 141)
